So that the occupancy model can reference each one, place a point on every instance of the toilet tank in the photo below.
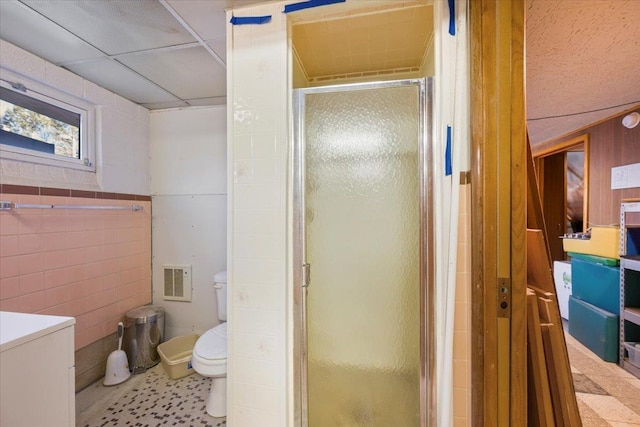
(220, 284)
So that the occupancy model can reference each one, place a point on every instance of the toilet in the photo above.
(209, 357)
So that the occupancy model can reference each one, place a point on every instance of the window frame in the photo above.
(50, 95)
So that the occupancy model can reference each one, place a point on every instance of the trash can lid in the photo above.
(145, 313)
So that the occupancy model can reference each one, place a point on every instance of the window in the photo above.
(40, 124)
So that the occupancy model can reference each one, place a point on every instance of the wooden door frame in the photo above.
(554, 147)
(498, 236)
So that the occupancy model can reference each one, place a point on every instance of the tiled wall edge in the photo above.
(63, 192)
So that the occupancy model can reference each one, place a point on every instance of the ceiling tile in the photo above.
(43, 38)
(186, 73)
(219, 46)
(165, 105)
(119, 79)
(116, 26)
(218, 100)
(206, 18)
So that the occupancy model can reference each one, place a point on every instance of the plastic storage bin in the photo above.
(604, 242)
(633, 349)
(176, 355)
(596, 284)
(595, 328)
(144, 331)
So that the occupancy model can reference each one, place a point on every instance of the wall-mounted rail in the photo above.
(5, 206)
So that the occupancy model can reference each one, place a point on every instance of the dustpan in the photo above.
(117, 364)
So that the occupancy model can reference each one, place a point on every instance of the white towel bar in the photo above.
(5, 206)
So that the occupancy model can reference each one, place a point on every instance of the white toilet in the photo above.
(209, 357)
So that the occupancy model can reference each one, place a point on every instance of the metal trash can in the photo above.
(144, 331)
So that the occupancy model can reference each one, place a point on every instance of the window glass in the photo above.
(39, 124)
(43, 127)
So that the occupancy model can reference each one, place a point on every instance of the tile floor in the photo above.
(606, 394)
(147, 400)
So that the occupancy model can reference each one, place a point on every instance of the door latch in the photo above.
(306, 275)
(504, 297)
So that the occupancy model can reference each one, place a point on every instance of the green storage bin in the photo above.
(595, 328)
(596, 284)
(595, 259)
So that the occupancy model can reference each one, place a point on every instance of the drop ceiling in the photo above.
(583, 56)
(159, 54)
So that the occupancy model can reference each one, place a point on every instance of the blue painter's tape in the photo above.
(309, 4)
(250, 20)
(452, 17)
(447, 153)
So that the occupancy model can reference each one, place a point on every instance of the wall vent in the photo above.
(177, 282)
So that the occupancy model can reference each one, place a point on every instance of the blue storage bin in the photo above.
(596, 284)
(595, 328)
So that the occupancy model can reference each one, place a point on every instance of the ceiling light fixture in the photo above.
(631, 120)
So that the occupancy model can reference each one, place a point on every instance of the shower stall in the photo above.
(363, 253)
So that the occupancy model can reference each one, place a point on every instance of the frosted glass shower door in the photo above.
(362, 239)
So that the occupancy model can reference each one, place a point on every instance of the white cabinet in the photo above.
(562, 279)
(37, 372)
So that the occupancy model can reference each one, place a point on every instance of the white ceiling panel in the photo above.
(116, 26)
(165, 105)
(23, 27)
(121, 80)
(219, 46)
(218, 100)
(186, 73)
(207, 18)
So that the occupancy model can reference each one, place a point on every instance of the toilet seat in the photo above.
(212, 345)
(209, 356)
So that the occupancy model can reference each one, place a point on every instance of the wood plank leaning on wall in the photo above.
(499, 169)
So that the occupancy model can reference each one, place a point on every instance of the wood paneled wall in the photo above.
(611, 145)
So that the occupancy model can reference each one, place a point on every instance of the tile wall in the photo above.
(189, 210)
(258, 365)
(258, 161)
(462, 327)
(94, 265)
(258, 394)
(122, 132)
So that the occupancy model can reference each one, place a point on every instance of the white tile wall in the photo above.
(192, 156)
(189, 183)
(258, 141)
(189, 230)
(123, 133)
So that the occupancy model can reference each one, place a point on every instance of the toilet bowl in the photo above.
(209, 356)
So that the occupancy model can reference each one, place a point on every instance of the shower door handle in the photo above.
(306, 275)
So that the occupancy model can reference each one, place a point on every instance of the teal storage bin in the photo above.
(596, 284)
(595, 328)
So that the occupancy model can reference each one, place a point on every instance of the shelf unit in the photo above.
(629, 279)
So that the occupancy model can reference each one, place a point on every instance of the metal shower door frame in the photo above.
(300, 272)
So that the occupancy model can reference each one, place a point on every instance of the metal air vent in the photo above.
(177, 282)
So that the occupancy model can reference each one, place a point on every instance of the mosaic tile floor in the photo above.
(607, 396)
(147, 400)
